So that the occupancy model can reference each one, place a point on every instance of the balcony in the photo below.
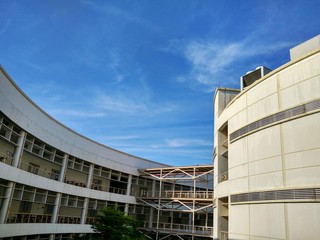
(28, 218)
(35, 169)
(171, 194)
(180, 228)
(6, 157)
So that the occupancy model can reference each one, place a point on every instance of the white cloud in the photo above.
(75, 113)
(132, 101)
(181, 142)
(5, 27)
(109, 9)
(212, 62)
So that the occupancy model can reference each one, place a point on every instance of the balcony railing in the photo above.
(178, 194)
(184, 228)
(74, 181)
(69, 219)
(39, 171)
(6, 157)
(28, 218)
(101, 187)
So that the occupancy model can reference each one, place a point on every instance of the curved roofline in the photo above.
(277, 70)
(64, 126)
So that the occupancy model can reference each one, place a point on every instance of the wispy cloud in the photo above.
(75, 113)
(110, 9)
(213, 62)
(5, 27)
(181, 143)
(132, 100)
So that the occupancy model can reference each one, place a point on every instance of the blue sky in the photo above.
(139, 76)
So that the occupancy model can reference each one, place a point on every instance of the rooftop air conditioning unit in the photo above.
(252, 76)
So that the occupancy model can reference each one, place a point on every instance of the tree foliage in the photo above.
(112, 224)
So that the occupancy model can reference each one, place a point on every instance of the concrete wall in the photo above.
(284, 155)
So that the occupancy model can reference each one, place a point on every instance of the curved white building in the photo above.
(267, 151)
(53, 181)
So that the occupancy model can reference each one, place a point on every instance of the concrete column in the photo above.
(153, 188)
(84, 211)
(126, 209)
(129, 185)
(90, 175)
(56, 208)
(63, 168)
(6, 202)
(151, 217)
(18, 150)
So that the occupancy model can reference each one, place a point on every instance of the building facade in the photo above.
(53, 181)
(266, 157)
(267, 151)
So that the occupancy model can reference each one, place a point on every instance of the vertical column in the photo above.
(171, 220)
(63, 168)
(153, 194)
(129, 185)
(56, 208)
(194, 201)
(126, 209)
(159, 205)
(6, 202)
(90, 175)
(153, 188)
(84, 211)
(18, 150)
(86, 200)
(151, 217)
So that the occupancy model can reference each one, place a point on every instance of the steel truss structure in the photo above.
(189, 210)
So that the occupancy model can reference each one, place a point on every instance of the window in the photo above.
(25, 207)
(143, 192)
(48, 209)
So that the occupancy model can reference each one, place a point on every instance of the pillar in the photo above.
(63, 168)
(56, 208)
(6, 202)
(84, 211)
(129, 185)
(90, 176)
(18, 150)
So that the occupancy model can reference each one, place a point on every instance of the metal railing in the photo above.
(178, 194)
(6, 157)
(69, 219)
(90, 220)
(39, 171)
(74, 181)
(184, 228)
(104, 188)
(28, 218)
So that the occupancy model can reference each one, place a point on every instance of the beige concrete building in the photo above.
(267, 151)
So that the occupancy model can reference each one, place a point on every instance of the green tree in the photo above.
(112, 224)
